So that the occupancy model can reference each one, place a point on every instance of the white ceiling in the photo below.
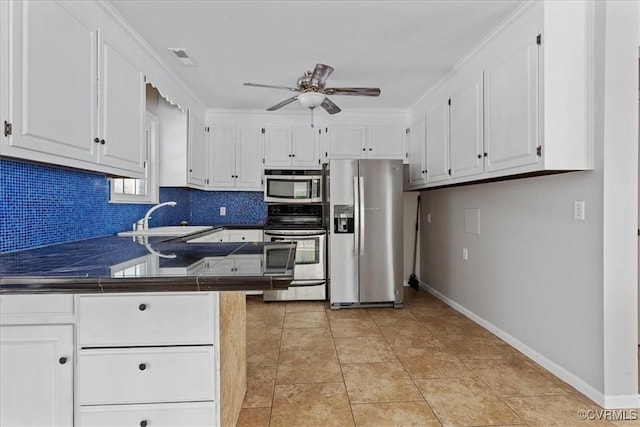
(403, 47)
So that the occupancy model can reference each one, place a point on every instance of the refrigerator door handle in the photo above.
(361, 212)
(356, 217)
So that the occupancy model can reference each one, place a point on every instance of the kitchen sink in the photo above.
(172, 231)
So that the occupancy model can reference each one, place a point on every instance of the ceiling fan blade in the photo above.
(270, 86)
(356, 91)
(330, 107)
(320, 74)
(283, 103)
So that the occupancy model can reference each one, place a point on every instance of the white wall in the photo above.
(563, 291)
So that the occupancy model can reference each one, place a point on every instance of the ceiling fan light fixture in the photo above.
(311, 99)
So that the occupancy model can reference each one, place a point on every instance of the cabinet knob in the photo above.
(370, 149)
(479, 156)
(293, 155)
(364, 149)
(243, 238)
(143, 423)
(62, 360)
(485, 154)
(102, 141)
(142, 366)
(96, 140)
(142, 307)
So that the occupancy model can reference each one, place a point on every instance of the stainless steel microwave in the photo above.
(293, 186)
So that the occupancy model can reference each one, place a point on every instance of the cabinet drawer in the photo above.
(156, 415)
(139, 320)
(146, 375)
(16, 309)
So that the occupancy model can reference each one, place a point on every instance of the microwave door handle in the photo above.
(361, 209)
(356, 217)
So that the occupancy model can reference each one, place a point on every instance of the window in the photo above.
(130, 190)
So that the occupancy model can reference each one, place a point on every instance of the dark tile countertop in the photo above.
(150, 264)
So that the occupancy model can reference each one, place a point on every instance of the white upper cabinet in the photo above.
(123, 107)
(235, 159)
(198, 174)
(53, 59)
(466, 150)
(278, 147)
(306, 147)
(75, 99)
(364, 142)
(511, 99)
(291, 146)
(385, 142)
(417, 159)
(222, 163)
(345, 142)
(437, 141)
(249, 158)
(520, 102)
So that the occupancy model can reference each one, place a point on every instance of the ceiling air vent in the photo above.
(182, 56)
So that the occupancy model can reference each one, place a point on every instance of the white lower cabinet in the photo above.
(36, 360)
(155, 415)
(145, 375)
(142, 356)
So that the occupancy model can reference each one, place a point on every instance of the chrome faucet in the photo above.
(143, 223)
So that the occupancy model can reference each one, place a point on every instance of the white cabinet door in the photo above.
(511, 103)
(346, 142)
(36, 367)
(52, 84)
(465, 127)
(417, 165)
(222, 157)
(198, 173)
(248, 265)
(306, 147)
(277, 147)
(437, 142)
(248, 158)
(385, 142)
(123, 116)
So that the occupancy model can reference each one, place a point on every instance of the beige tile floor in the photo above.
(423, 365)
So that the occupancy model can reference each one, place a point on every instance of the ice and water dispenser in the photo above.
(343, 219)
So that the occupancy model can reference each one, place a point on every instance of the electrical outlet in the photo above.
(578, 210)
(223, 211)
(465, 254)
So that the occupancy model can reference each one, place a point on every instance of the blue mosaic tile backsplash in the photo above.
(42, 205)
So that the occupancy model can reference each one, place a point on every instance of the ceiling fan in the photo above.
(313, 91)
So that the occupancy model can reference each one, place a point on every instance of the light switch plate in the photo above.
(223, 210)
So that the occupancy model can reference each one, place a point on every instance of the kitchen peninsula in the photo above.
(135, 331)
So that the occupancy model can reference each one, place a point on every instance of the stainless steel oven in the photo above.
(293, 186)
(301, 224)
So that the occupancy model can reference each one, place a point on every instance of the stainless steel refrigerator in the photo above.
(364, 220)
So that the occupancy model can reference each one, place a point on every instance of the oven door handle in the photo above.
(293, 236)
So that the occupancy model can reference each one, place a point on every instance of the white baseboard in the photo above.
(606, 402)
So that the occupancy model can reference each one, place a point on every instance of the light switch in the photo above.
(223, 210)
